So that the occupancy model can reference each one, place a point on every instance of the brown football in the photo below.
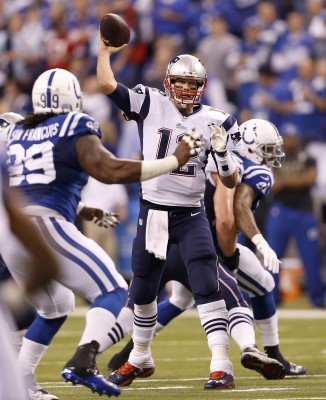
(114, 30)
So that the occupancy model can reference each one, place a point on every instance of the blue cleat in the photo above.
(127, 373)
(81, 370)
(219, 380)
(97, 383)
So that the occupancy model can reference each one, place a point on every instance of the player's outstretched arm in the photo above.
(105, 75)
(103, 166)
(245, 221)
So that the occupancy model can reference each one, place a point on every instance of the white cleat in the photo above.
(41, 394)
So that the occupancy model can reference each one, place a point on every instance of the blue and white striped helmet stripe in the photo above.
(48, 90)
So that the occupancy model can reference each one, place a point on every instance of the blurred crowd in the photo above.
(264, 59)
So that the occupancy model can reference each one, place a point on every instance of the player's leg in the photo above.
(307, 236)
(181, 299)
(197, 250)
(52, 305)
(147, 271)
(259, 284)
(89, 271)
(241, 328)
(12, 386)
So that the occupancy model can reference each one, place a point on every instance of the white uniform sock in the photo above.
(241, 326)
(16, 339)
(145, 317)
(122, 326)
(214, 319)
(268, 329)
(96, 317)
(29, 356)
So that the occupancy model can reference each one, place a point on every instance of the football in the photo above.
(114, 30)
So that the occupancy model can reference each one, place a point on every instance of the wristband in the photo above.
(152, 168)
(256, 239)
(80, 206)
(226, 166)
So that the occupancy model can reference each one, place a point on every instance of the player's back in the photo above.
(43, 161)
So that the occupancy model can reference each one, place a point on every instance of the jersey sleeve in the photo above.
(259, 178)
(80, 124)
(133, 102)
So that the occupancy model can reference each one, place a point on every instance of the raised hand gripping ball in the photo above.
(114, 30)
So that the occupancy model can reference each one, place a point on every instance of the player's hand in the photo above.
(102, 218)
(219, 138)
(189, 146)
(271, 262)
(108, 49)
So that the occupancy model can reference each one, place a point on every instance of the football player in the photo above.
(51, 153)
(42, 267)
(171, 209)
(262, 151)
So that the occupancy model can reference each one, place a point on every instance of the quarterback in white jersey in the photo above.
(171, 209)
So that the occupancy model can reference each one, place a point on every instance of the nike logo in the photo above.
(193, 214)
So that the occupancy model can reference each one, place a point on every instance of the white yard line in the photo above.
(288, 314)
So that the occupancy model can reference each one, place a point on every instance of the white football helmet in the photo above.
(9, 118)
(185, 66)
(56, 91)
(263, 143)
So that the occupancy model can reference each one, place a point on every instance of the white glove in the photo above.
(219, 138)
(194, 141)
(270, 258)
(109, 219)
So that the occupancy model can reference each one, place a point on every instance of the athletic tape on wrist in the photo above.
(152, 168)
(226, 166)
(257, 239)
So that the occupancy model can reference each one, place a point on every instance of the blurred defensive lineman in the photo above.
(41, 265)
(51, 153)
(170, 208)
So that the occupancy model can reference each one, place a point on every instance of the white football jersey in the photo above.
(161, 127)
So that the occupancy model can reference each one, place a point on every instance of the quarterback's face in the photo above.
(185, 91)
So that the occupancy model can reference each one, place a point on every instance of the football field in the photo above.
(182, 362)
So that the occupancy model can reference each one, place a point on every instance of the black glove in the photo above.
(231, 262)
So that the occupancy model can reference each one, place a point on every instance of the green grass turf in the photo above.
(182, 363)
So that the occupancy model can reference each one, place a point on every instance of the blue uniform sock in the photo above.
(166, 311)
(42, 330)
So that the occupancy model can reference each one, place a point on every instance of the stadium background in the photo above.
(260, 56)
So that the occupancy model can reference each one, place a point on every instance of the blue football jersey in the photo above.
(43, 161)
(259, 177)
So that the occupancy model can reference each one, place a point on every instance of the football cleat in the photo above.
(81, 369)
(127, 373)
(291, 369)
(40, 394)
(294, 370)
(255, 360)
(97, 383)
(122, 357)
(219, 380)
